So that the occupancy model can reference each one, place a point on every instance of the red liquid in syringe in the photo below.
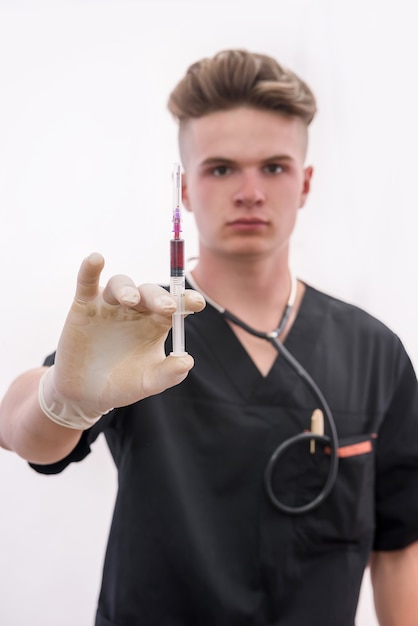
(176, 257)
(177, 248)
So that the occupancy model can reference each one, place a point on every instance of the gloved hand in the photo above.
(111, 350)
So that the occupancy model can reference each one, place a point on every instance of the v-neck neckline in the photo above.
(238, 365)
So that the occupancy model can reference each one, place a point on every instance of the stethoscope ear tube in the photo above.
(331, 441)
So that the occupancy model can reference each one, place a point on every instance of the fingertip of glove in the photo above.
(130, 296)
(198, 301)
(95, 258)
(184, 362)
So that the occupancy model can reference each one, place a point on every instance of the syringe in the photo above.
(177, 280)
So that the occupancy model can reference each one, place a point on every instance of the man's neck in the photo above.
(255, 290)
(256, 293)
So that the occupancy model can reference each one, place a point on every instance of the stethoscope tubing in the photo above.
(331, 440)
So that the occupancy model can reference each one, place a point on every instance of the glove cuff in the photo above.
(61, 410)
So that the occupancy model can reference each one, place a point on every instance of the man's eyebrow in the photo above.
(219, 160)
(216, 161)
(278, 157)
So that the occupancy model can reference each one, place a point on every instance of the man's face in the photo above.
(244, 179)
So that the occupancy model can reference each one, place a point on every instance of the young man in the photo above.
(222, 517)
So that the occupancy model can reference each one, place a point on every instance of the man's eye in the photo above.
(221, 170)
(274, 168)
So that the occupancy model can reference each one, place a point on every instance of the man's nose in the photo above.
(250, 192)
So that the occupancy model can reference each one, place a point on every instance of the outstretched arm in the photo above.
(394, 577)
(25, 429)
(110, 354)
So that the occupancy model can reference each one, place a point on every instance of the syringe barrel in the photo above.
(177, 287)
(176, 257)
(177, 279)
(178, 335)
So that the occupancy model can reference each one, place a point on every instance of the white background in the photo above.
(86, 152)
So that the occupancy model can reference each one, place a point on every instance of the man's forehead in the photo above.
(261, 134)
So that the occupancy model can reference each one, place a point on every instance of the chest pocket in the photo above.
(346, 516)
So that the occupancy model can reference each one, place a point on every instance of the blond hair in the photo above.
(240, 78)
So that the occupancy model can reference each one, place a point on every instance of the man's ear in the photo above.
(184, 193)
(306, 187)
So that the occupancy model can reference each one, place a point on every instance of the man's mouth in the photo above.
(247, 223)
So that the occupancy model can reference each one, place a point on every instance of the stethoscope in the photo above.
(330, 440)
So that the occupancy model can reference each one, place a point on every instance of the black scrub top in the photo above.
(195, 540)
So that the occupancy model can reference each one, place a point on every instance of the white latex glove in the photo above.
(111, 350)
